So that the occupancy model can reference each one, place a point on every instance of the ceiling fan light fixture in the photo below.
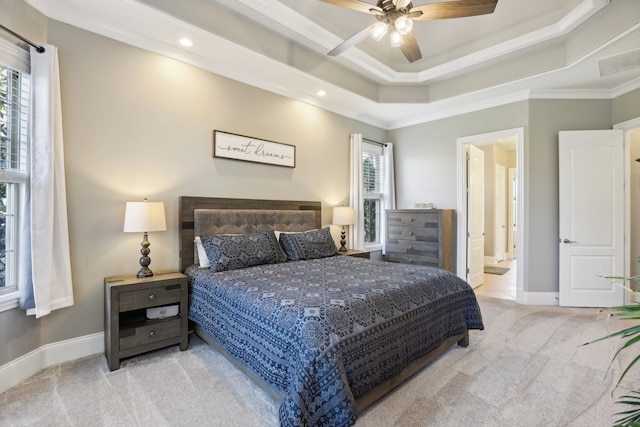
(378, 31)
(396, 39)
(404, 25)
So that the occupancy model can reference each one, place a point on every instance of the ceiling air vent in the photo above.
(620, 63)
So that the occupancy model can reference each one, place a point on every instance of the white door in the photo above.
(500, 213)
(512, 204)
(475, 216)
(591, 193)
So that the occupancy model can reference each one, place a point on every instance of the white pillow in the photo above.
(202, 255)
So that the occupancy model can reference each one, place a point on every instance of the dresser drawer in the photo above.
(149, 333)
(417, 249)
(150, 297)
(412, 259)
(411, 219)
(419, 234)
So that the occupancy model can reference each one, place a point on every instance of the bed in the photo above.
(324, 334)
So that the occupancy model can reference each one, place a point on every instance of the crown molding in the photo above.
(311, 35)
(142, 26)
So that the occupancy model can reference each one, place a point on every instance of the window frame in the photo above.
(373, 149)
(16, 175)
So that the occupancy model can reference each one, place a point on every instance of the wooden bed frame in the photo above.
(188, 205)
(186, 238)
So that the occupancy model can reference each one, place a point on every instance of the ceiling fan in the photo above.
(397, 16)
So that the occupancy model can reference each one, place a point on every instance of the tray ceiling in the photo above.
(525, 49)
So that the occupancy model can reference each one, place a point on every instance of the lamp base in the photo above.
(144, 272)
(145, 260)
(343, 241)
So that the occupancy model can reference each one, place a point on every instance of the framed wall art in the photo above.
(238, 147)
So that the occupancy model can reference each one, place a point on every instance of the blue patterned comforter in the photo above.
(325, 331)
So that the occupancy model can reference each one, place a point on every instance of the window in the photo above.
(372, 179)
(14, 120)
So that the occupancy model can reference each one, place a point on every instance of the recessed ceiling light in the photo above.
(321, 93)
(185, 42)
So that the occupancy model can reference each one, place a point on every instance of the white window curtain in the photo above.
(356, 201)
(46, 266)
(388, 190)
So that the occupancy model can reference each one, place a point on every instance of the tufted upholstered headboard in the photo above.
(207, 215)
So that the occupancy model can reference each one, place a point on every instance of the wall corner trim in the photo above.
(20, 369)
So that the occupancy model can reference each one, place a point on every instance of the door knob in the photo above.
(568, 241)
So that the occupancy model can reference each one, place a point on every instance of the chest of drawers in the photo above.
(422, 236)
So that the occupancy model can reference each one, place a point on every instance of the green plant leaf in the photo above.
(628, 331)
(633, 362)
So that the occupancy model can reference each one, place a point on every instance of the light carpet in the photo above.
(526, 368)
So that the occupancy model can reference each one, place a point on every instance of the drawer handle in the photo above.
(152, 334)
(152, 297)
(410, 261)
(410, 219)
(411, 233)
(410, 247)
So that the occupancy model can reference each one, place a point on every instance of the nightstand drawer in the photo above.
(150, 333)
(151, 297)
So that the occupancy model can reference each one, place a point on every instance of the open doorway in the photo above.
(631, 130)
(502, 212)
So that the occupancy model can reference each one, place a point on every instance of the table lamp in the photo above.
(144, 217)
(343, 215)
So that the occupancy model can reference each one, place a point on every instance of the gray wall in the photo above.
(426, 167)
(140, 125)
(626, 107)
(548, 117)
(425, 154)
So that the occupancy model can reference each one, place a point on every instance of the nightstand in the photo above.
(127, 330)
(358, 254)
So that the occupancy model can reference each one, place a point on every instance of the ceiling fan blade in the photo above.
(351, 41)
(455, 9)
(410, 48)
(401, 4)
(358, 5)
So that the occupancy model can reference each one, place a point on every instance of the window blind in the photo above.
(372, 172)
(14, 121)
(14, 56)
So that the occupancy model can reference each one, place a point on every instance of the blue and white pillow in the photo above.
(231, 252)
(309, 244)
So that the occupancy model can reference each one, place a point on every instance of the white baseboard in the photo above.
(491, 260)
(538, 298)
(22, 368)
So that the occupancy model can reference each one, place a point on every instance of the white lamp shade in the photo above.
(343, 215)
(396, 38)
(378, 31)
(404, 25)
(144, 216)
